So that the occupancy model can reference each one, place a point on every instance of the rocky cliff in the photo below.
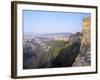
(84, 57)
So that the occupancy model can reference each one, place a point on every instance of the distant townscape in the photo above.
(52, 50)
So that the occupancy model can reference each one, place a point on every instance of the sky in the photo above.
(41, 22)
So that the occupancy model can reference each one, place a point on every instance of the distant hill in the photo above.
(57, 34)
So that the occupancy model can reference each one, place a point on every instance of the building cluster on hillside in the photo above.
(63, 38)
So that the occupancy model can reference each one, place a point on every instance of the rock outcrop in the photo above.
(84, 57)
(34, 57)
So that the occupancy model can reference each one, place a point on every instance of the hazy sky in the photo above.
(52, 22)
